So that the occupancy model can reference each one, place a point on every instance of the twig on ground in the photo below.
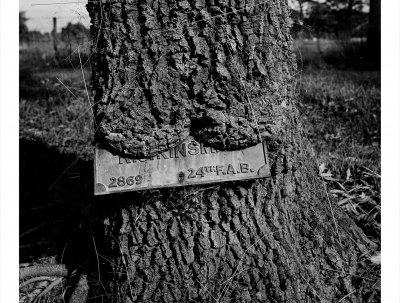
(333, 215)
(346, 296)
(29, 246)
(37, 228)
(72, 164)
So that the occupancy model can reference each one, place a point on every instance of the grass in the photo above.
(55, 110)
(341, 115)
(340, 110)
(56, 171)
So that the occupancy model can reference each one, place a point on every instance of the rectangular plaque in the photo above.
(189, 163)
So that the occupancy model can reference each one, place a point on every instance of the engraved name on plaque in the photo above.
(189, 163)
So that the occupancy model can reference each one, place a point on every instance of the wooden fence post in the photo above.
(54, 35)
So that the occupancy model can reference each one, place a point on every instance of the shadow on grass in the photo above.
(340, 54)
(56, 199)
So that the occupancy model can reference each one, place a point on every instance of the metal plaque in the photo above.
(189, 163)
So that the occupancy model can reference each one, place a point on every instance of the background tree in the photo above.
(23, 28)
(335, 18)
(223, 72)
(374, 30)
(74, 33)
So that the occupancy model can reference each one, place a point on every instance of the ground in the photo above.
(339, 99)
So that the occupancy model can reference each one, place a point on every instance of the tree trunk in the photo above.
(374, 33)
(164, 69)
(221, 71)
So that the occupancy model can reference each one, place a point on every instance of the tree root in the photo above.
(55, 273)
(44, 270)
(45, 286)
(81, 291)
(35, 279)
(48, 276)
(48, 288)
(36, 291)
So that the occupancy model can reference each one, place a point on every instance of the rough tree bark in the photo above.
(163, 69)
(222, 71)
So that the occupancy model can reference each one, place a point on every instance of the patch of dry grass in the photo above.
(341, 113)
(54, 109)
(341, 116)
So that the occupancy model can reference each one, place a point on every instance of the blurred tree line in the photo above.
(331, 18)
(75, 33)
(72, 33)
(339, 19)
(26, 36)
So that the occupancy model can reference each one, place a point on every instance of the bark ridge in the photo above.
(219, 70)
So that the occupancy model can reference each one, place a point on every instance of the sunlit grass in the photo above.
(55, 110)
(340, 111)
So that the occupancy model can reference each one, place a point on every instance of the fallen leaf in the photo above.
(321, 168)
(376, 258)
(348, 174)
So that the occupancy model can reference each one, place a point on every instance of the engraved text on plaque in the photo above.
(189, 163)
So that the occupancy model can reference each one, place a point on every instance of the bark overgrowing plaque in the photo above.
(219, 72)
(188, 163)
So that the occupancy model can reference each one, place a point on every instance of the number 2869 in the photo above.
(121, 181)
